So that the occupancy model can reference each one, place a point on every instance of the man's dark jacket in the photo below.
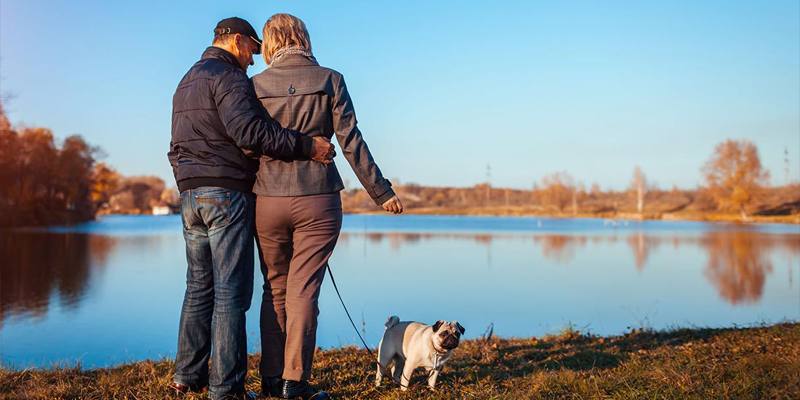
(215, 116)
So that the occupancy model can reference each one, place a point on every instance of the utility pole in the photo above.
(786, 164)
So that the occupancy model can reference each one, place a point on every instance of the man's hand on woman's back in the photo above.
(322, 150)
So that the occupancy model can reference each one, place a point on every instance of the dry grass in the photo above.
(751, 363)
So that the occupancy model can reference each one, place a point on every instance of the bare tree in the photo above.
(578, 192)
(734, 175)
(558, 189)
(595, 190)
(639, 185)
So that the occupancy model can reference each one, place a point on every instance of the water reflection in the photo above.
(560, 248)
(96, 286)
(642, 245)
(738, 262)
(38, 268)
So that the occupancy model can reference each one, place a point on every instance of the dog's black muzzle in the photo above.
(450, 342)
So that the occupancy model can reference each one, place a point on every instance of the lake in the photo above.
(110, 291)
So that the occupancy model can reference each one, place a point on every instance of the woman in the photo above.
(298, 208)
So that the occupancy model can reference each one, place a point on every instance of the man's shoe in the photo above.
(180, 388)
(272, 386)
(302, 390)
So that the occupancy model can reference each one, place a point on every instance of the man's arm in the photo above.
(251, 128)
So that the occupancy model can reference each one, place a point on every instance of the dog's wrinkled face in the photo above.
(446, 335)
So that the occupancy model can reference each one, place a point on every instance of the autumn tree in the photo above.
(170, 196)
(74, 175)
(105, 182)
(9, 150)
(36, 161)
(558, 190)
(734, 175)
(137, 195)
(5, 124)
(595, 190)
(40, 181)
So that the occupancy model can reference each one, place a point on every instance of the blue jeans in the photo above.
(218, 229)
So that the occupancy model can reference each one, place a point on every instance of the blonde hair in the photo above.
(283, 30)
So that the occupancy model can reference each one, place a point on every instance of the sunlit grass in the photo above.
(736, 363)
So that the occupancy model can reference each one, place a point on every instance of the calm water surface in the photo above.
(110, 291)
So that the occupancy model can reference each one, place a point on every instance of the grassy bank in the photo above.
(737, 363)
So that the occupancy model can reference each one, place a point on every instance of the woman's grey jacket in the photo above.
(303, 96)
(215, 114)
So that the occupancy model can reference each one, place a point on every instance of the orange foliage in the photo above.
(734, 175)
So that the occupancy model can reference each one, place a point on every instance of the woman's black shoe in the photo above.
(302, 390)
(272, 386)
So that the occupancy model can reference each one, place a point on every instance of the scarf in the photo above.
(291, 50)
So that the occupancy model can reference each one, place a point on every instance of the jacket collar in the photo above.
(222, 55)
(294, 60)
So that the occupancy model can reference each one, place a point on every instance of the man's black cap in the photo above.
(237, 25)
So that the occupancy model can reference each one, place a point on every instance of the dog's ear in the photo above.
(460, 328)
(437, 325)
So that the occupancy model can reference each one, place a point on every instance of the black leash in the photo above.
(335, 287)
(383, 368)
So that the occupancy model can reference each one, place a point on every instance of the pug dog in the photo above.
(408, 345)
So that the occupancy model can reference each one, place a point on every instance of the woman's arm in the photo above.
(357, 153)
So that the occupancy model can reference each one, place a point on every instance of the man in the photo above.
(216, 118)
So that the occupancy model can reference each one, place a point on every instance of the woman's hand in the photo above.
(393, 205)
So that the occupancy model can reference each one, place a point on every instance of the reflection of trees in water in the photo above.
(738, 261)
(398, 239)
(375, 237)
(38, 265)
(642, 245)
(560, 248)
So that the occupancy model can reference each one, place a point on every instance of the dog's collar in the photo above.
(439, 358)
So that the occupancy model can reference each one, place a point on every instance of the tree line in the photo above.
(734, 183)
(40, 182)
(43, 182)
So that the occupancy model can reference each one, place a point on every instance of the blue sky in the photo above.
(442, 89)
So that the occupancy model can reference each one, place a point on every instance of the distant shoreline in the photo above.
(528, 212)
(793, 219)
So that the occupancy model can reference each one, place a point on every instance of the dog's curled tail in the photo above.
(392, 321)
